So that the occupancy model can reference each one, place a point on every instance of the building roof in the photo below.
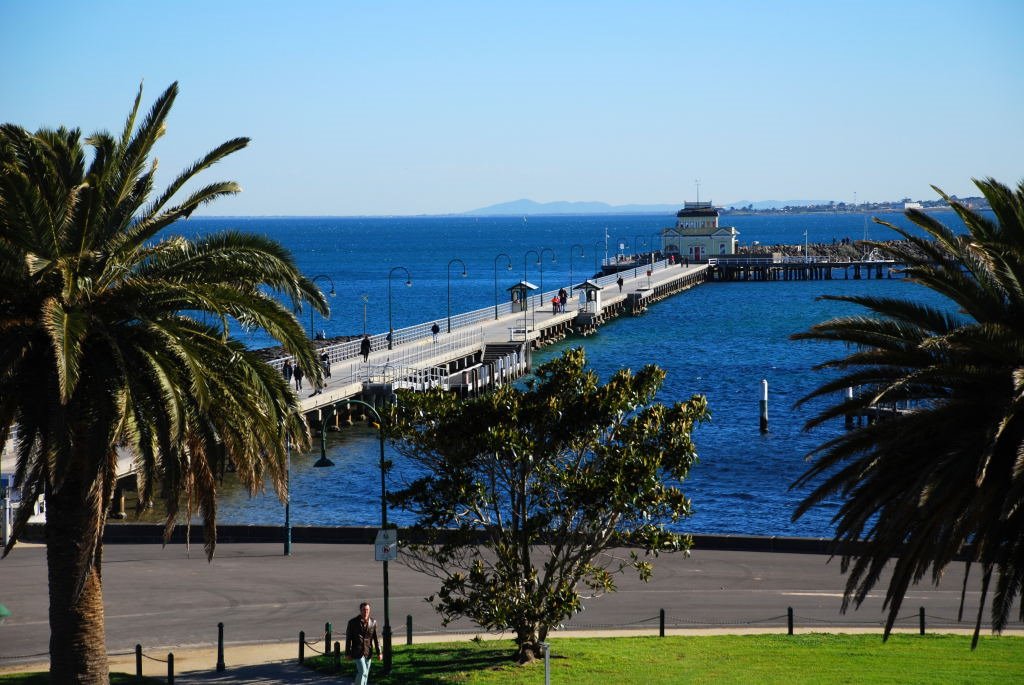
(697, 209)
(706, 231)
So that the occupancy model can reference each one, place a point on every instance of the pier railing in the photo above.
(340, 352)
(401, 357)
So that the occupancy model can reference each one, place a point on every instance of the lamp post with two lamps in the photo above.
(332, 294)
(508, 260)
(408, 284)
(325, 462)
(450, 262)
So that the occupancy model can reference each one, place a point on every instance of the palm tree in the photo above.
(944, 481)
(108, 343)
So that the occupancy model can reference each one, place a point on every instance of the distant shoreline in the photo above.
(796, 211)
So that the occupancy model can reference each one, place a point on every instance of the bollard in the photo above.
(138, 661)
(661, 623)
(408, 629)
(789, 619)
(764, 405)
(302, 647)
(220, 647)
(327, 637)
(170, 668)
(337, 656)
(547, 662)
(920, 619)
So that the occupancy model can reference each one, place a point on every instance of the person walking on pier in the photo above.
(298, 377)
(361, 643)
(287, 371)
(620, 282)
(435, 329)
(364, 348)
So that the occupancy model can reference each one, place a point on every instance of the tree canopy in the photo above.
(943, 480)
(522, 493)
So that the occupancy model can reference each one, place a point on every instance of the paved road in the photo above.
(165, 598)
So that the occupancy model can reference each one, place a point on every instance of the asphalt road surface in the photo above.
(165, 597)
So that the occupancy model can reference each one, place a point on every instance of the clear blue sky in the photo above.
(438, 107)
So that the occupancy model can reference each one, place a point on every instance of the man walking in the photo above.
(364, 348)
(361, 643)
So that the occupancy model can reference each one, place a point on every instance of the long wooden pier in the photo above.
(486, 348)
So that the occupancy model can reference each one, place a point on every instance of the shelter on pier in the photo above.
(520, 293)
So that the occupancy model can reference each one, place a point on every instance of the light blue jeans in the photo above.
(363, 670)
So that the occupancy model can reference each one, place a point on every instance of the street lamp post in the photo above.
(288, 495)
(526, 294)
(508, 261)
(450, 262)
(408, 283)
(570, 263)
(383, 523)
(655, 247)
(540, 266)
(332, 294)
(636, 254)
(597, 253)
(365, 298)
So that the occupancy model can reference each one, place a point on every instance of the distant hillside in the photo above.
(526, 207)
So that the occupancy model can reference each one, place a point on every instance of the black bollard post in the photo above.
(302, 647)
(408, 629)
(789, 620)
(337, 656)
(661, 623)
(920, 619)
(327, 637)
(220, 647)
(170, 668)
(138, 662)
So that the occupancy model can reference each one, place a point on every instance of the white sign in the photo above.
(385, 547)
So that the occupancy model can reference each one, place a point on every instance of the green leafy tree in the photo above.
(944, 480)
(525, 492)
(114, 336)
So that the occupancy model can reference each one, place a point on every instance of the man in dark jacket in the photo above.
(361, 643)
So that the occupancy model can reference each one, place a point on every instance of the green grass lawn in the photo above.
(811, 658)
(44, 679)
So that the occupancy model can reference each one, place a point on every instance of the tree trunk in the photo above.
(528, 644)
(78, 649)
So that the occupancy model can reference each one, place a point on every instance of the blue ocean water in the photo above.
(718, 339)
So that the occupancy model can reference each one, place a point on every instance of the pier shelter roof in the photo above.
(523, 285)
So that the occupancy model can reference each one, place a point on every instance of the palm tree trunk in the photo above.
(78, 650)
